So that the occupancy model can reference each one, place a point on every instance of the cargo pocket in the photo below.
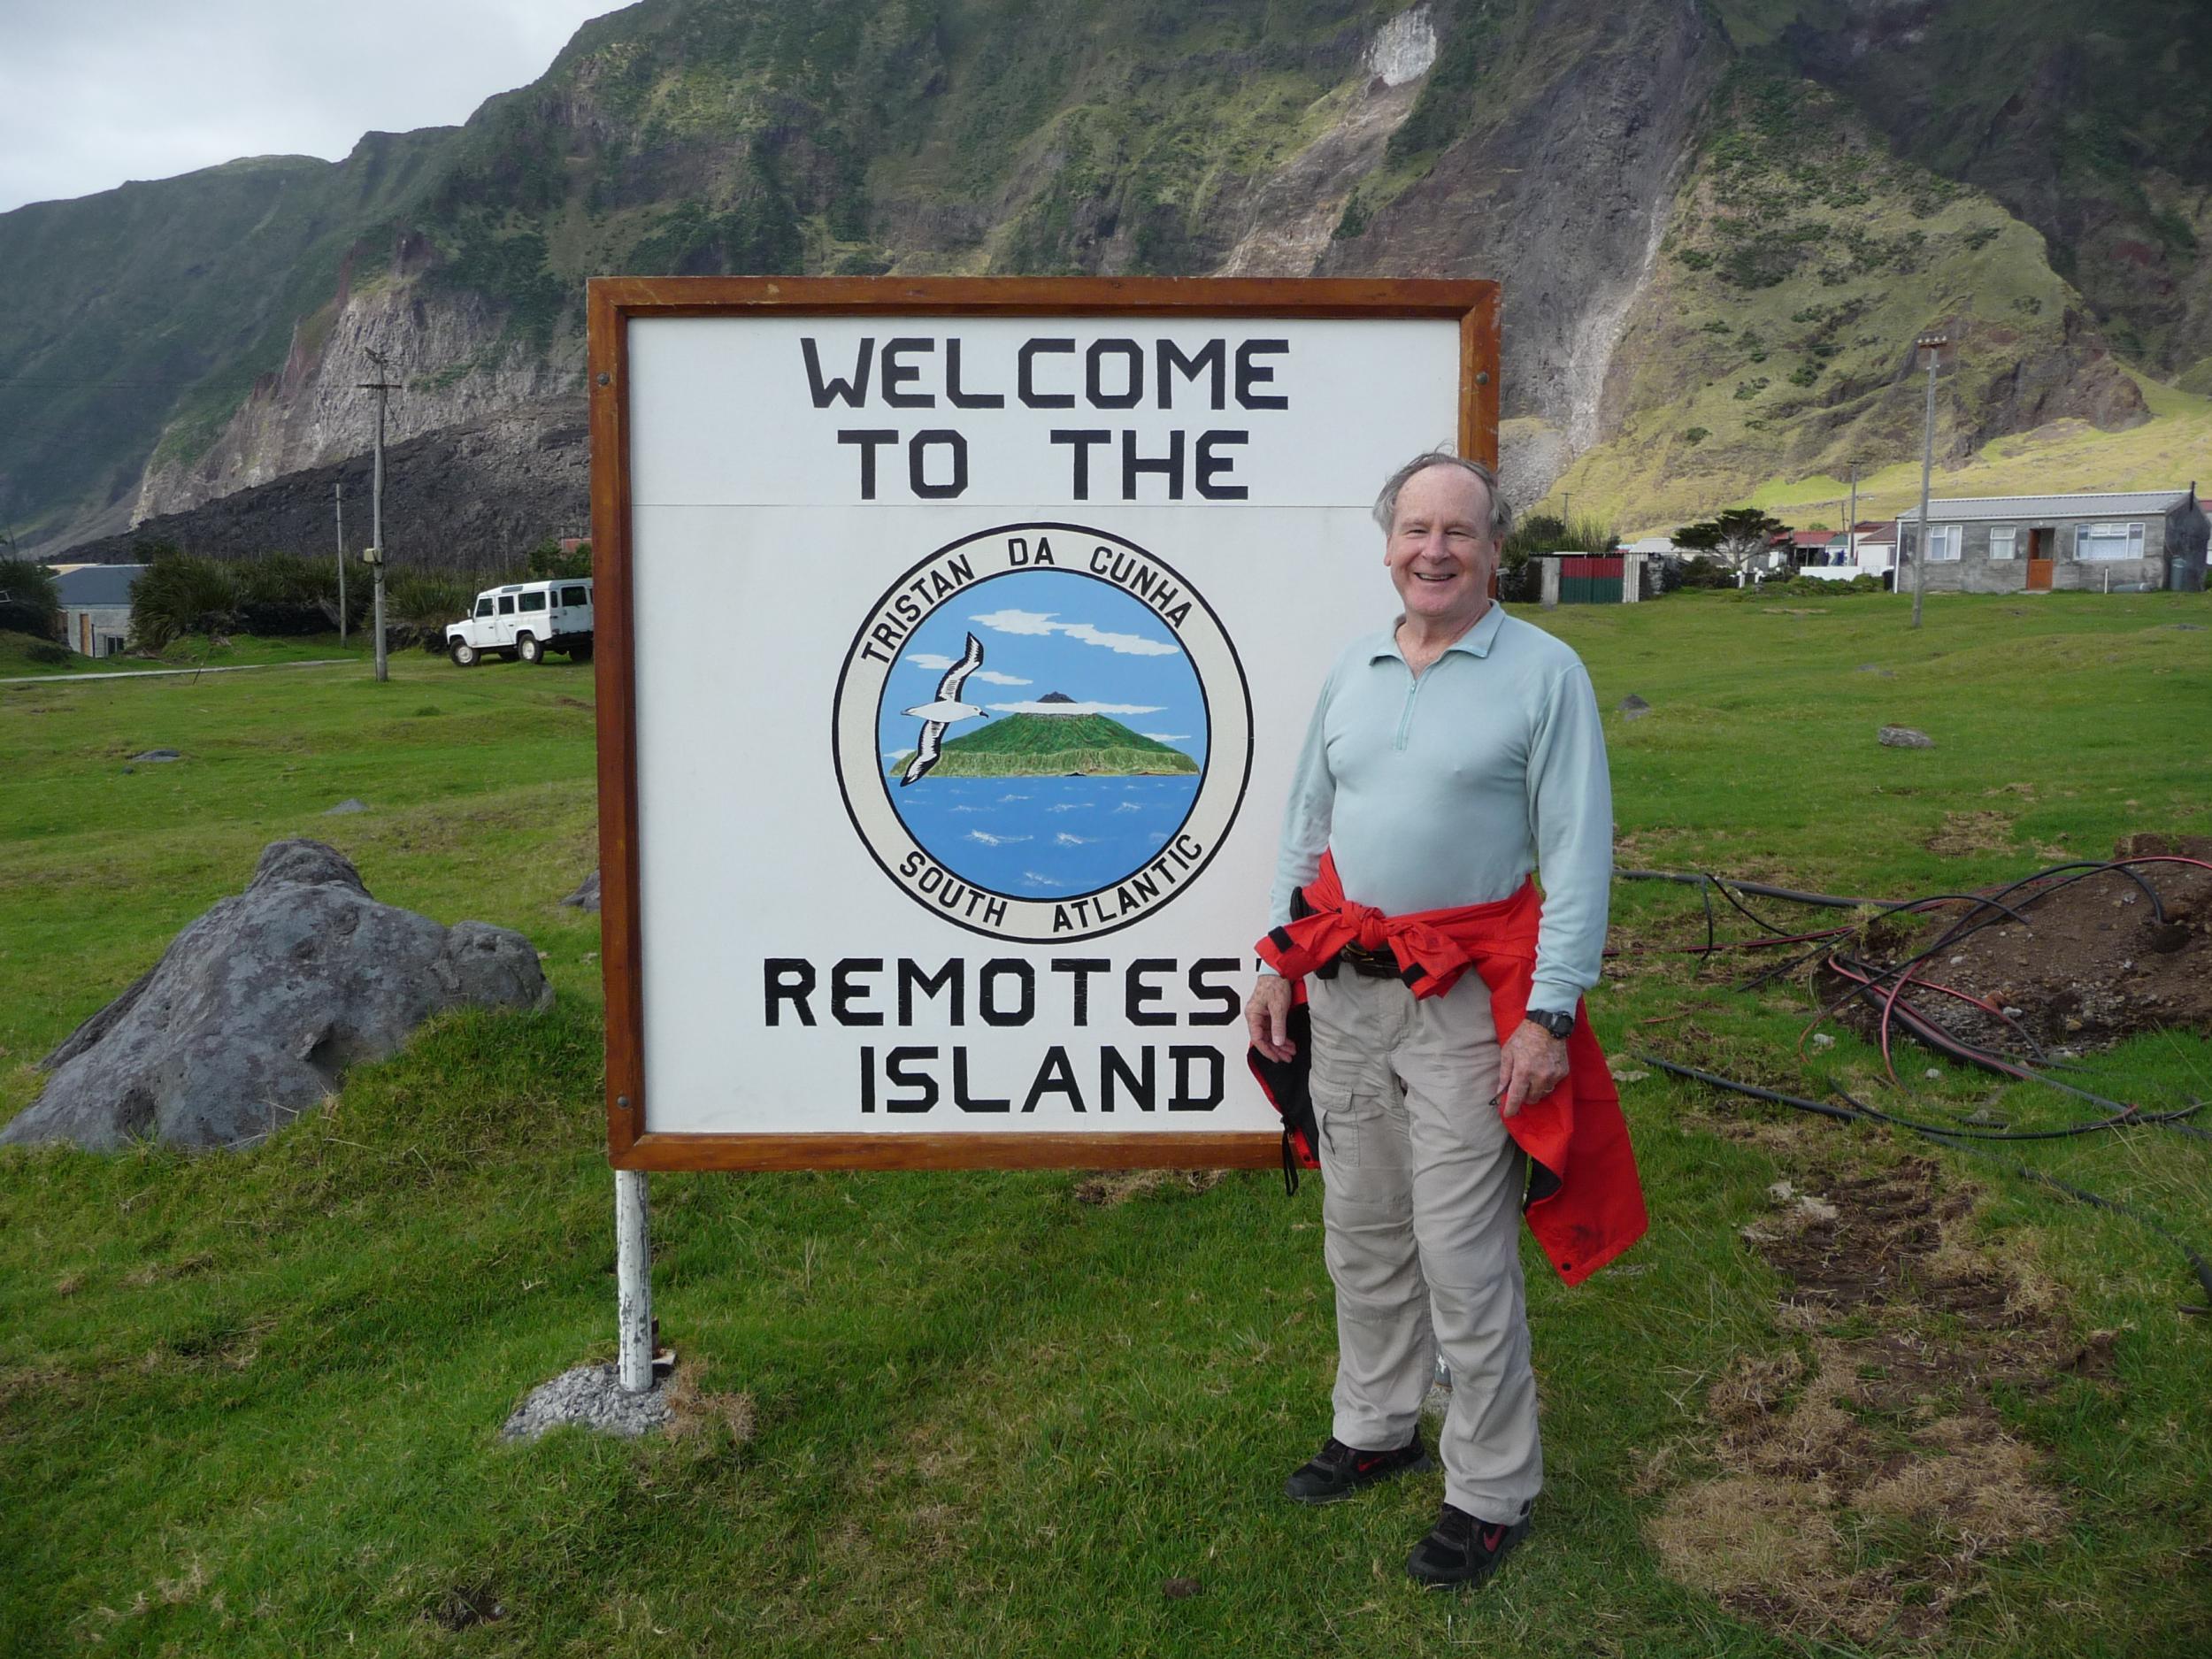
(1367, 1204)
(1340, 1114)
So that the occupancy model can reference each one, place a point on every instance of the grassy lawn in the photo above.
(249, 1403)
(17, 660)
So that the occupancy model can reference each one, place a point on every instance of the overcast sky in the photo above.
(95, 92)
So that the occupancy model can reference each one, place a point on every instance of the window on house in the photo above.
(1945, 540)
(2108, 541)
(2000, 542)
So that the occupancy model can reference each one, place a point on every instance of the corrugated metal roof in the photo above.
(2026, 509)
(97, 584)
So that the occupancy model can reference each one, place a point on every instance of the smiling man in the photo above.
(1451, 1074)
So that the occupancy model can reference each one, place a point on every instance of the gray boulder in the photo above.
(586, 894)
(256, 1008)
(1904, 737)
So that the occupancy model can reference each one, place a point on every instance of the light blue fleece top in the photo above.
(1448, 788)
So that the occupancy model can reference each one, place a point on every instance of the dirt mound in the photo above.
(1863, 1472)
(2092, 961)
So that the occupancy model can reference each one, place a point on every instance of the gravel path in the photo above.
(165, 674)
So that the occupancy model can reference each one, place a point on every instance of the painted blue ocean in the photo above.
(1045, 838)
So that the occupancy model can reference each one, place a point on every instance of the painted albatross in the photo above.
(947, 708)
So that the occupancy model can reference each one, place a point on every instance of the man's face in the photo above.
(1441, 552)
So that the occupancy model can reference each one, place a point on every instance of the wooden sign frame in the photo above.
(611, 303)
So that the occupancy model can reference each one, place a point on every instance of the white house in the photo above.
(96, 606)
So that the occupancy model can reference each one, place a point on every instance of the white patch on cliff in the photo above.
(1403, 48)
(1591, 359)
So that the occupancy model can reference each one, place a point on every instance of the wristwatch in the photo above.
(1560, 1025)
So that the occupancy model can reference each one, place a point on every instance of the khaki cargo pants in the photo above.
(1423, 1211)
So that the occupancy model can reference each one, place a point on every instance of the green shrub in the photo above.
(1813, 588)
(178, 594)
(418, 604)
(28, 603)
(432, 595)
(1547, 532)
(546, 560)
(282, 594)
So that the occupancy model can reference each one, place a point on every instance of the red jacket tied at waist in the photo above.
(1585, 1204)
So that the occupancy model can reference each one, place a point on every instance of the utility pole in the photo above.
(1851, 524)
(1932, 344)
(383, 388)
(338, 505)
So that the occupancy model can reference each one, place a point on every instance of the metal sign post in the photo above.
(633, 1280)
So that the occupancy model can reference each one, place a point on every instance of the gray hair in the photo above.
(1501, 509)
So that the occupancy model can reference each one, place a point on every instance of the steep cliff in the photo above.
(178, 346)
(1774, 335)
(447, 348)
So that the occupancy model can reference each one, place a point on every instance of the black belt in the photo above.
(1369, 964)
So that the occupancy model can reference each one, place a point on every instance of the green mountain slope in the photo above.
(1054, 745)
(156, 306)
(1775, 336)
(2093, 123)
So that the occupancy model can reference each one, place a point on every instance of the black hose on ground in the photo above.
(1917, 1021)
(1757, 888)
(1961, 1140)
(2126, 1117)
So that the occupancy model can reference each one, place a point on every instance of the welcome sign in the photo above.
(957, 640)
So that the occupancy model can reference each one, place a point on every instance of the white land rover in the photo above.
(525, 621)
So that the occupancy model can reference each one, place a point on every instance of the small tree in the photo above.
(1735, 537)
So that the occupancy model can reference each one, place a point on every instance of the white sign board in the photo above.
(956, 643)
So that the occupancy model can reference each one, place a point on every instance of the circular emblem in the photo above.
(1042, 732)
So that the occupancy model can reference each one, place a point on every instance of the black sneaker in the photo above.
(1338, 1471)
(1462, 1549)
